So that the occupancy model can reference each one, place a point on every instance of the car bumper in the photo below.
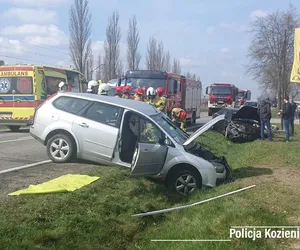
(11, 122)
(33, 133)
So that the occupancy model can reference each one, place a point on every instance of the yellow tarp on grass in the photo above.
(65, 183)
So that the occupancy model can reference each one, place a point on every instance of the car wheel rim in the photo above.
(185, 184)
(59, 149)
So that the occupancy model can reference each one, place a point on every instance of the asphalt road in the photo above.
(18, 149)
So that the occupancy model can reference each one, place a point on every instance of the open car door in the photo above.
(148, 159)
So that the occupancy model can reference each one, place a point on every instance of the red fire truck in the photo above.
(180, 91)
(243, 95)
(221, 95)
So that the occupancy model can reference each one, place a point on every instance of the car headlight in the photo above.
(219, 168)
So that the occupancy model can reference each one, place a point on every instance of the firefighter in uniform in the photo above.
(103, 89)
(161, 101)
(151, 95)
(138, 96)
(92, 87)
(62, 86)
(179, 117)
(119, 91)
(126, 92)
(147, 133)
(144, 97)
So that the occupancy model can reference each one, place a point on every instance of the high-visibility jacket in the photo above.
(137, 98)
(176, 117)
(149, 133)
(152, 102)
(161, 104)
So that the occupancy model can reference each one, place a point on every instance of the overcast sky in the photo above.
(209, 38)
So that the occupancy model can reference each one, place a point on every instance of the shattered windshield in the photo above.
(176, 133)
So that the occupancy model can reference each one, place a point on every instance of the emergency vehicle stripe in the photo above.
(20, 104)
(15, 118)
(21, 97)
(16, 68)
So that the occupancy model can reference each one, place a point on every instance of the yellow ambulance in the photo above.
(25, 87)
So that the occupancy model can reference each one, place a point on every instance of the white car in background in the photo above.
(251, 103)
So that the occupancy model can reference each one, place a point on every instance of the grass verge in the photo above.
(99, 216)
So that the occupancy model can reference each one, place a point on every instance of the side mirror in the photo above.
(206, 90)
(166, 141)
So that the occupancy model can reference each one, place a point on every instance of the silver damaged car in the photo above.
(121, 132)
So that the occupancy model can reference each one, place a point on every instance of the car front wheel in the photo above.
(60, 148)
(184, 181)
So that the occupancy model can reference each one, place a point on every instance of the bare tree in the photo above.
(133, 39)
(176, 67)
(90, 67)
(271, 50)
(99, 65)
(120, 71)
(2, 62)
(188, 75)
(151, 54)
(167, 61)
(160, 58)
(112, 47)
(80, 32)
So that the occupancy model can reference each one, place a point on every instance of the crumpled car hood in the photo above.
(203, 129)
(246, 112)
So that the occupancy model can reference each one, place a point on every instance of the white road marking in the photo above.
(25, 166)
(19, 139)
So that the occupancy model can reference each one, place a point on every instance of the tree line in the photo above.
(271, 53)
(110, 65)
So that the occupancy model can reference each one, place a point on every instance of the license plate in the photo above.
(5, 115)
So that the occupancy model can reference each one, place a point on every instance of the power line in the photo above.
(23, 59)
(32, 52)
(35, 44)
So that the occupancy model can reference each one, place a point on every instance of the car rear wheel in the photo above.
(60, 148)
(184, 181)
(14, 128)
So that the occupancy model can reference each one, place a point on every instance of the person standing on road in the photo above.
(293, 111)
(138, 96)
(264, 112)
(179, 117)
(161, 102)
(286, 113)
(104, 89)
